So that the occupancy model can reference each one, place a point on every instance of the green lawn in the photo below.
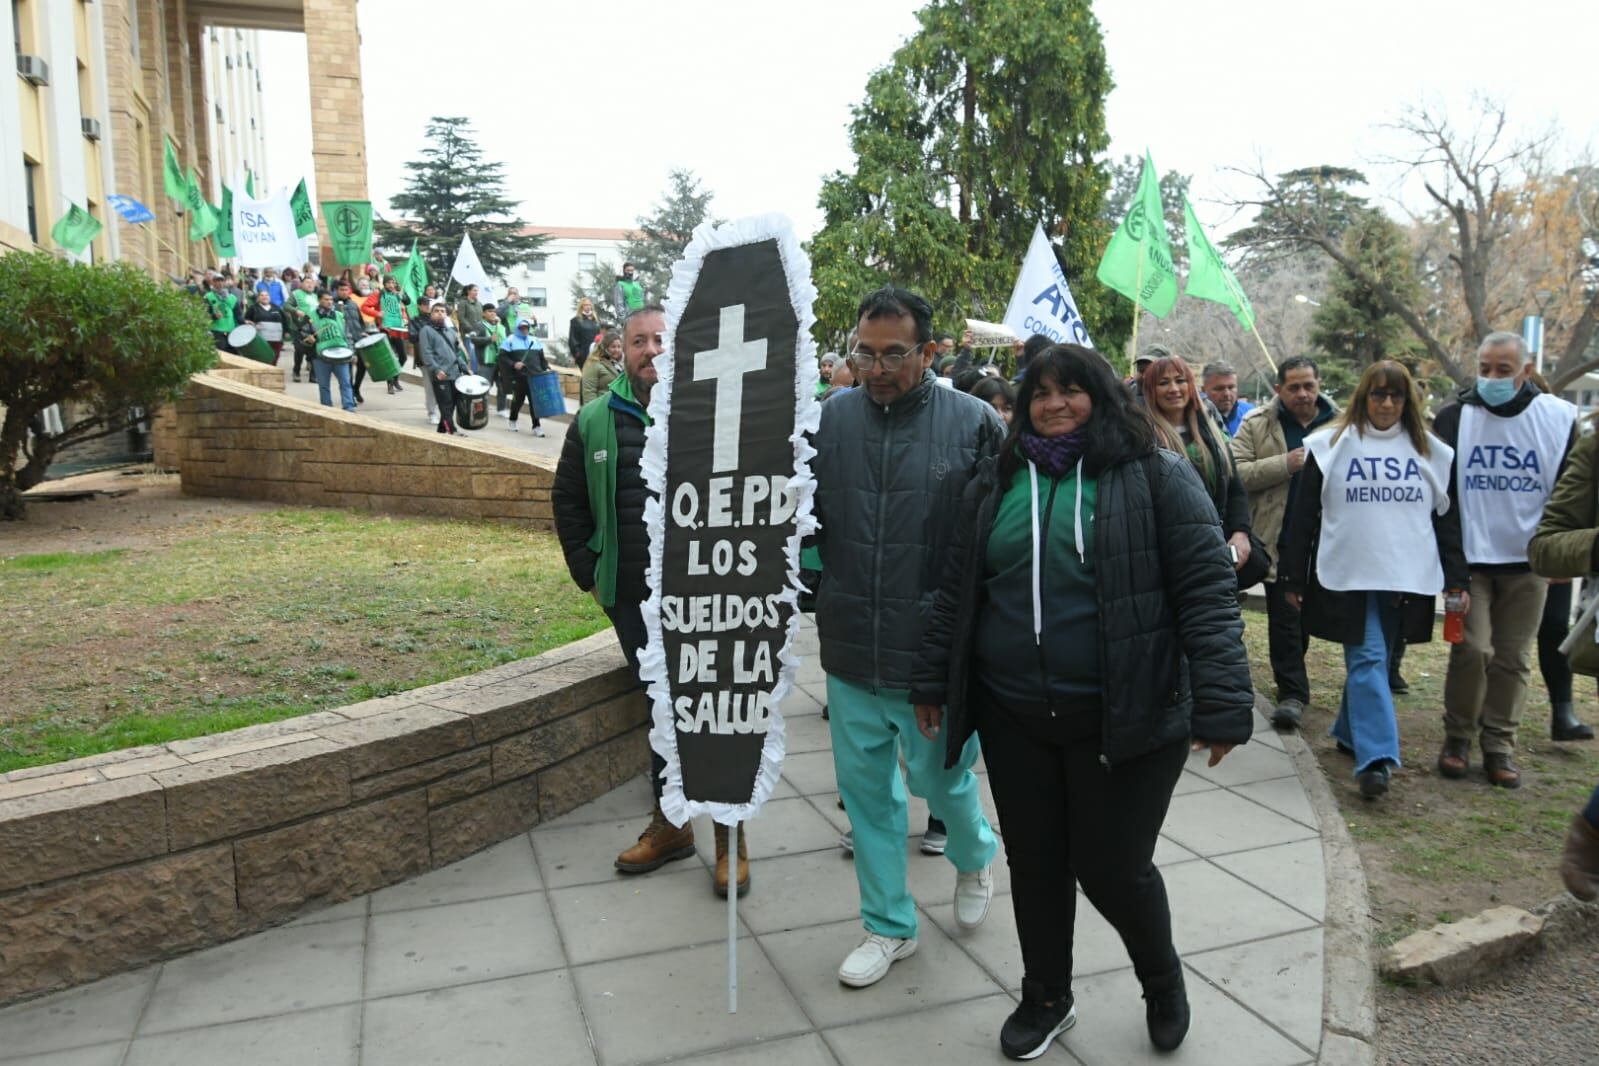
(260, 617)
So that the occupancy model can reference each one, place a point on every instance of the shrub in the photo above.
(105, 338)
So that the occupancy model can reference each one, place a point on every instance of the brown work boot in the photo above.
(1579, 862)
(1500, 770)
(660, 843)
(1454, 758)
(743, 860)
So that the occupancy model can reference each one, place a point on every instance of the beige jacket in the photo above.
(1261, 451)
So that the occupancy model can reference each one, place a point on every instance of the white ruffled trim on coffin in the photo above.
(807, 416)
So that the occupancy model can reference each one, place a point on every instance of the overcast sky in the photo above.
(589, 113)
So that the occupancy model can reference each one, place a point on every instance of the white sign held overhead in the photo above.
(1042, 301)
(263, 232)
(469, 271)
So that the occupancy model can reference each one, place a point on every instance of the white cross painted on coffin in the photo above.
(726, 364)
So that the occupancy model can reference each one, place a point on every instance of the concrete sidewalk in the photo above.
(536, 951)
(409, 408)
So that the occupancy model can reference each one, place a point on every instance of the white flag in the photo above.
(263, 232)
(1042, 301)
(468, 271)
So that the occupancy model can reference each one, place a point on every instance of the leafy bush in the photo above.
(105, 338)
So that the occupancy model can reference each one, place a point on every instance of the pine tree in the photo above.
(663, 235)
(988, 121)
(451, 191)
(1352, 324)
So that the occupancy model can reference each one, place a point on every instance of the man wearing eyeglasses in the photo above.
(892, 458)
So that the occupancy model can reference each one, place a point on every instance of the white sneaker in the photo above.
(513, 428)
(538, 431)
(974, 891)
(503, 414)
(869, 962)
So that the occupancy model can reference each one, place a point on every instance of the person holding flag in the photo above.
(387, 309)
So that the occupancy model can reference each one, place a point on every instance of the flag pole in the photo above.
(1269, 360)
(1138, 288)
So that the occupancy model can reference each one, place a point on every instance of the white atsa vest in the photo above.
(1505, 469)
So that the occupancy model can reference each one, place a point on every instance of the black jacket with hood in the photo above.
(1171, 645)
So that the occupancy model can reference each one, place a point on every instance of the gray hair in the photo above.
(1218, 370)
(647, 309)
(830, 359)
(1503, 338)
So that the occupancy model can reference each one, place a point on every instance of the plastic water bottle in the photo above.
(1454, 616)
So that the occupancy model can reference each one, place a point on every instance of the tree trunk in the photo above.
(968, 124)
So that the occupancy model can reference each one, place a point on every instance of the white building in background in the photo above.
(235, 114)
(546, 281)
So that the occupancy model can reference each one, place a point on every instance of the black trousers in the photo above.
(1066, 817)
(1551, 631)
(1286, 644)
(519, 396)
(628, 622)
(444, 396)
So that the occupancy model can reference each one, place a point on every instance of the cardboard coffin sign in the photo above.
(725, 460)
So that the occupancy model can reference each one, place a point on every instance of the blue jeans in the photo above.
(323, 369)
(1366, 720)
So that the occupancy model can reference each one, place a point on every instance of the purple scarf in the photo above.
(1055, 456)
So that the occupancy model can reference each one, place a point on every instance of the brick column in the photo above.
(338, 126)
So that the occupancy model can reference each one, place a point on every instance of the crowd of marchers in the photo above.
(1117, 524)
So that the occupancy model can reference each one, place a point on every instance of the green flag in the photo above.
(75, 230)
(172, 172)
(412, 275)
(1137, 262)
(304, 217)
(249, 183)
(1208, 277)
(224, 231)
(349, 225)
(203, 217)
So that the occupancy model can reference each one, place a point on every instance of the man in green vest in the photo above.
(334, 353)
(599, 497)
(220, 304)
(628, 294)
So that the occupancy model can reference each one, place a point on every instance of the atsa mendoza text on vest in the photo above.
(726, 463)
(1505, 469)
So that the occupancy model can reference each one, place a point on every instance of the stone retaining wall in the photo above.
(115, 861)
(228, 437)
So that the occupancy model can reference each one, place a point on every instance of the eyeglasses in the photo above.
(889, 361)
(1390, 395)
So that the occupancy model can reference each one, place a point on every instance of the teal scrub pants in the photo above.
(869, 728)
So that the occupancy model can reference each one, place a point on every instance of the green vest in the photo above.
(392, 318)
(596, 427)
(496, 334)
(329, 331)
(633, 293)
(305, 301)
(221, 311)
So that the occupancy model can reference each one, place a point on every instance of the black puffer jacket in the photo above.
(574, 523)
(888, 487)
(1171, 640)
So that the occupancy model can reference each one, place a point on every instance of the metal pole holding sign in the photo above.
(1532, 335)
(732, 918)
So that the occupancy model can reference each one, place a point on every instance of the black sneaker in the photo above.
(1166, 1014)
(1285, 719)
(1398, 685)
(1374, 781)
(1035, 1024)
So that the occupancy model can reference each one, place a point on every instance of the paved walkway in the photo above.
(536, 951)
(409, 408)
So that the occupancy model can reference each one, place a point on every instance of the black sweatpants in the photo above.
(628, 621)
(520, 395)
(1286, 644)
(1066, 817)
